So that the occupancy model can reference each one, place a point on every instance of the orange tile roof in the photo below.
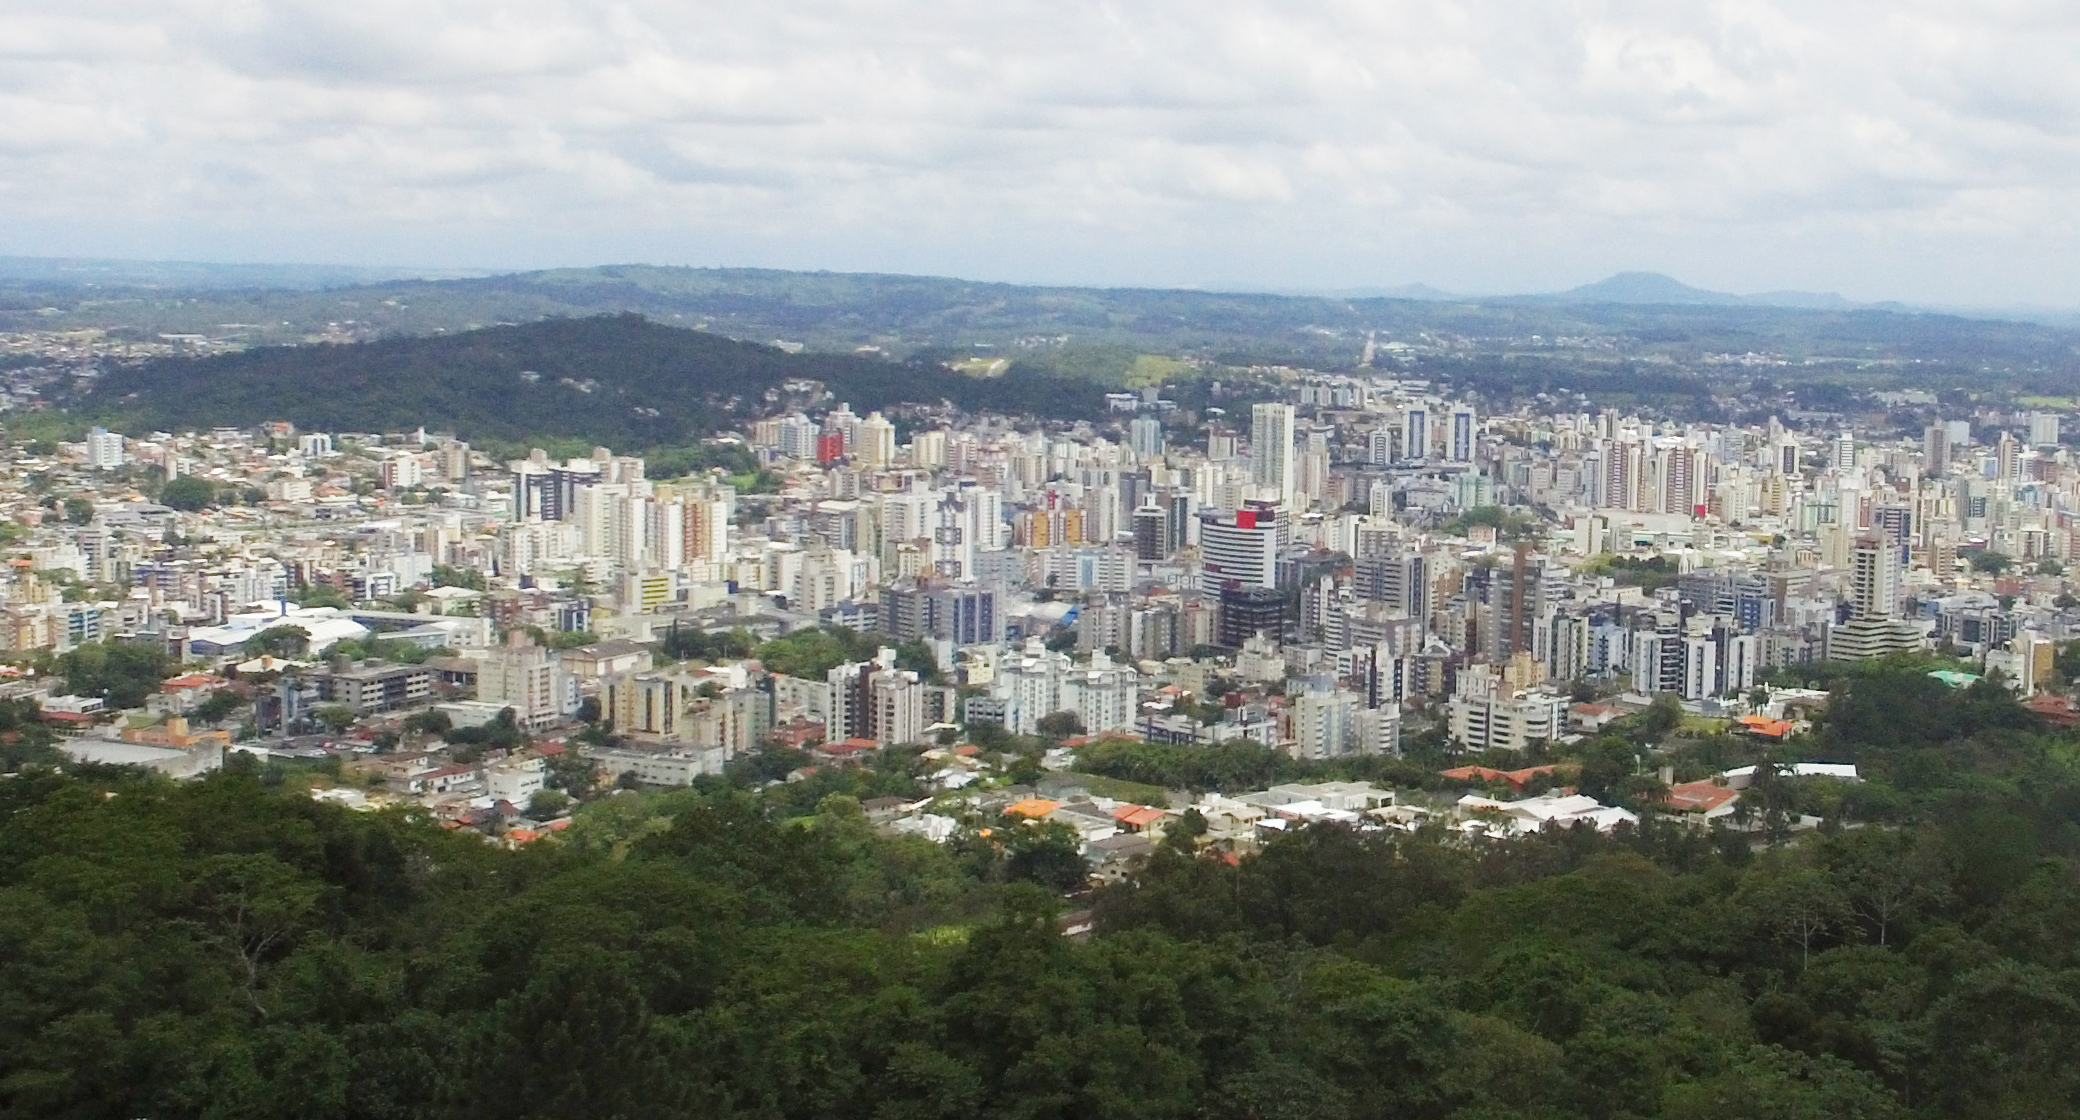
(1515, 778)
(1033, 808)
(1700, 797)
(1764, 726)
(1137, 816)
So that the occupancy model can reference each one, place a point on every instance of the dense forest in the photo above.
(621, 380)
(230, 948)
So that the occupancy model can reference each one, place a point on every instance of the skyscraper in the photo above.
(1145, 434)
(1151, 533)
(105, 448)
(1874, 577)
(1463, 431)
(1239, 547)
(2007, 458)
(876, 448)
(1415, 433)
(2043, 429)
(1271, 448)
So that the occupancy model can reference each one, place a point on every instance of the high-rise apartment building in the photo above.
(1240, 546)
(105, 449)
(2043, 429)
(522, 676)
(1463, 434)
(876, 447)
(1145, 435)
(1415, 433)
(1271, 450)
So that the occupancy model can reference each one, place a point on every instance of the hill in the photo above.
(1656, 289)
(1637, 315)
(621, 379)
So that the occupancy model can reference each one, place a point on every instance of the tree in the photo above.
(1770, 1081)
(1886, 876)
(1183, 835)
(252, 904)
(219, 705)
(1060, 725)
(1046, 853)
(1662, 716)
(187, 493)
(548, 803)
(322, 595)
(121, 673)
(446, 576)
(1989, 561)
(280, 641)
(1798, 905)
(79, 511)
(432, 721)
(336, 717)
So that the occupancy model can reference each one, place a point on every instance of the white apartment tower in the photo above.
(877, 443)
(1464, 431)
(1874, 577)
(104, 449)
(1415, 433)
(2043, 429)
(1271, 448)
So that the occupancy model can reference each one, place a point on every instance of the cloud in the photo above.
(1909, 149)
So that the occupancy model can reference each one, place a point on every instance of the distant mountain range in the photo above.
(1642, 288)
(1656, 288)
(86, 271)
(1118, 336)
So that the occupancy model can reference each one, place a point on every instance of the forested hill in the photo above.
(232, 949)
(621, 379)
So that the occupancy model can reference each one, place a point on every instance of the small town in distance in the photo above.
(1333, 567)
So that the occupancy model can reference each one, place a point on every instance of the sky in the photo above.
(1911, 149)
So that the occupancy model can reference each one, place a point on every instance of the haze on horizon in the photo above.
(1911, 150)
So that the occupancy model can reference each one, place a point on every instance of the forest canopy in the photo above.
(231, 948)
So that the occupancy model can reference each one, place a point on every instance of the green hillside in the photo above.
(623, 380)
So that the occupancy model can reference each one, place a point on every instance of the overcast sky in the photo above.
(1909, 149)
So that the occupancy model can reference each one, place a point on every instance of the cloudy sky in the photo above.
(1910, 149)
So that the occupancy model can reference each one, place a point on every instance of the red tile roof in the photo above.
(1516, 779)
(1137, 816)
(1699, 797)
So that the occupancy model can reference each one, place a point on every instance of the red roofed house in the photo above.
(2058, 711)
(847, 750)
(1147, 821)
(1592, 717)
(1033, 808)
(1516, 779)
(1708, 799)
(1765, 727)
